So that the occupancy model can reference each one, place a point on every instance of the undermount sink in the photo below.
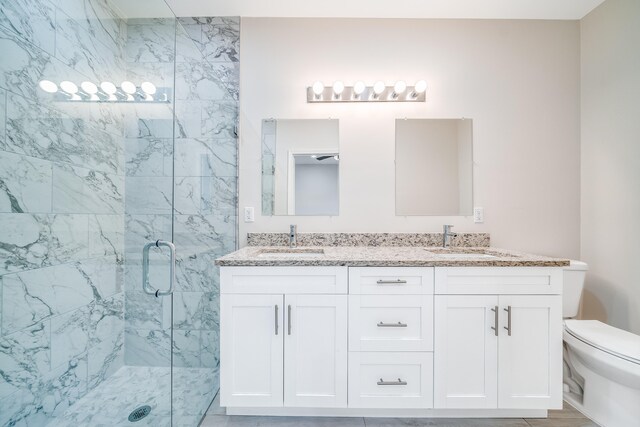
(291, 253)
(464, 255)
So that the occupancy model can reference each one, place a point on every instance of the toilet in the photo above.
(601, 363)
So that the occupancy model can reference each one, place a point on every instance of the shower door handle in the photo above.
(145, 268)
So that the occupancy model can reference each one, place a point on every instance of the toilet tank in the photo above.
(573, 284)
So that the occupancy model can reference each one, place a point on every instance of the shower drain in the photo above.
(139, 413)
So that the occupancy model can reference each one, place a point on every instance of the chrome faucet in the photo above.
(293, 236)
(447, 235)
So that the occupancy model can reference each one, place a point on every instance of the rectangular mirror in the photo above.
(300, 167)
(434, 167)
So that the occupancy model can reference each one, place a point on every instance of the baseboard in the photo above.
(391, 413)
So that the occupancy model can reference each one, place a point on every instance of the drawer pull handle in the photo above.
(399, 382)
(495, 320)
(391, 282)
(276, 318)
(508, 327)
(392, 325)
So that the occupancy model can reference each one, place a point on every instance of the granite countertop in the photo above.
(385, 256)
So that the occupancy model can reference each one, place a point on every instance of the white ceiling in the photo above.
(468, 9)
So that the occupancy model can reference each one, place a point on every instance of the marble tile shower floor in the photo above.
(111, 402)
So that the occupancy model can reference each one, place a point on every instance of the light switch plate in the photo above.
(478, 215)
(249, 214)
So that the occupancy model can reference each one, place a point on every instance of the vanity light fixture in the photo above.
(360, 92)
(105, 92)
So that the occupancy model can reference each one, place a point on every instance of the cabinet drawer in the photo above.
(498, 280)
(391, 280)
(390, 322)
(390, 380)
(283, 280)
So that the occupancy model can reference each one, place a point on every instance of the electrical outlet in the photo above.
(249, 214)
(478, 215)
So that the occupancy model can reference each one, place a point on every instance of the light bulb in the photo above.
(48, 86)
(358, 88)
(148, 87)
(89, 87)
(108, 88)
(399, 87)
(69, 87)
(128, 87)
(318, 88)
(420, 86)
(338, 87)
(378, 87)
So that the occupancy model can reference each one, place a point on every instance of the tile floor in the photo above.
(567, 417)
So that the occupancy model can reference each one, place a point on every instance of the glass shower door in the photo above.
(204, 214)
(149, 261)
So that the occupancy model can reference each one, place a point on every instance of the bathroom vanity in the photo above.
(390, 331)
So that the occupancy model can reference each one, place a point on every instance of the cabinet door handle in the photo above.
(495, 319)
(392, 325)
(508, 327)
(399, 382)
(289, 319)
(276, 318)
(391, 282)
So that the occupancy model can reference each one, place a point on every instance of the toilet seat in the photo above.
(614, 341)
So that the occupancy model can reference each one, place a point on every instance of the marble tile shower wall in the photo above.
(61, 208)
(204, 187)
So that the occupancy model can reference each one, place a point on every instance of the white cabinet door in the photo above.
(465, 352)
(251, 350)
(530, 371)
(315, 372)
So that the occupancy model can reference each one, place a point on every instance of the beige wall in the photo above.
(610, 222)
(517, 80)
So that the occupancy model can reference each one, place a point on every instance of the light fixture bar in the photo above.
(106, 92)
(319, 93)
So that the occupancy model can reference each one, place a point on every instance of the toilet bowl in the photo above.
(602, 363)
